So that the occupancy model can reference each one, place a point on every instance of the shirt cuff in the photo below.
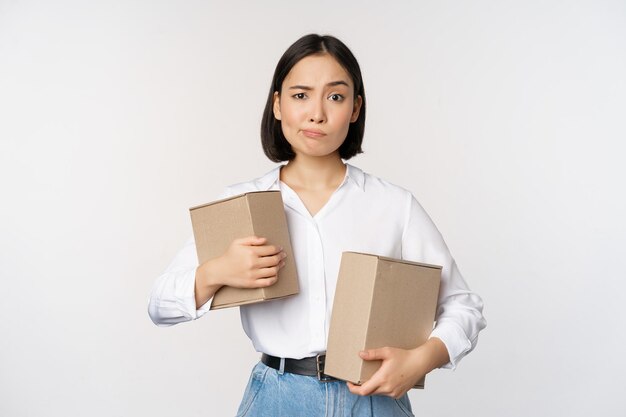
(456, 342)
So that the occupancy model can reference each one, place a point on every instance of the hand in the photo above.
(398, 373)
(249, 263)
(401, 368)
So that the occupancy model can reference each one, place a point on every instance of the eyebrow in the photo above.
(307, 88)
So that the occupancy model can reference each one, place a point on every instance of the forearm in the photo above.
(433, 353)
(401, 368)
(206, 283)
(172, 297)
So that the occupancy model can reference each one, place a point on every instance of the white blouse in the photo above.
(365, 214)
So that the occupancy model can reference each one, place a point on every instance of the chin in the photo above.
(318, 153)
(318, 150)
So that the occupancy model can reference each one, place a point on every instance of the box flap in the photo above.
(232, 198)
(385, 258)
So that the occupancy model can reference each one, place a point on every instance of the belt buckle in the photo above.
(319, 363)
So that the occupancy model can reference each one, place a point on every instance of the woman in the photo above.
(314, 118)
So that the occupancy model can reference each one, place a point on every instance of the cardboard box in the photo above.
(379, 302)
(217, 224)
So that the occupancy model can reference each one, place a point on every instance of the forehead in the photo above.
(317, 70)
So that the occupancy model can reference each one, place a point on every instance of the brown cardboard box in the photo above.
(217, 224)
(378, 302)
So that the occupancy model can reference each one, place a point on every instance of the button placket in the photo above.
(316, 271)
(317, 286)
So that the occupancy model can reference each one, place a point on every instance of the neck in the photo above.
(314, 173)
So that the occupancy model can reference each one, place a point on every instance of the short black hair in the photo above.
(274, 143)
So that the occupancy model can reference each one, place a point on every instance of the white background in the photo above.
(505, 118)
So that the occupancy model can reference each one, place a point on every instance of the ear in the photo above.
(356, 109)
(276, 106)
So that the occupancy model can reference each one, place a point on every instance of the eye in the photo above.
(299, 96)
(335, 97)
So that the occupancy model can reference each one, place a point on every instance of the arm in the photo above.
(459, 315)
(183, 291)
(247, 263)
(172, 298)
(401, 368)
(207, 283)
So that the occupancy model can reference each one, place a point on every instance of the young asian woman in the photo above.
(314, 120)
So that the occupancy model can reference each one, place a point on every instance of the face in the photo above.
(316, 105)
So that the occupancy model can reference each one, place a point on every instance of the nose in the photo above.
(317, 112)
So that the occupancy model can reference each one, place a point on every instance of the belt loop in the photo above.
(281, 370)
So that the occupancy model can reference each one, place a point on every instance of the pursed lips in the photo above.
(313, 133)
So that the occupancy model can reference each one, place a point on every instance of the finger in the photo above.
(367, 388)
(374, 354)
(355, 389)
(265, 282)
(268, 272)
(250, 241)
(269, 261)
(267, 250)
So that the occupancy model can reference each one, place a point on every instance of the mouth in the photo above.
(313, 133)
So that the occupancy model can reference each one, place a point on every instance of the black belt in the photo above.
(313, 366)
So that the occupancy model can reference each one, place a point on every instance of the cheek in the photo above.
(347, 111)
(291, 114)
(344, 116)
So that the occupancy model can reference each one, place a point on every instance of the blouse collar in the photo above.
(272, 178)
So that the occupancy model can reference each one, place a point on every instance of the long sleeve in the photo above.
(173, 298)
(459, 316)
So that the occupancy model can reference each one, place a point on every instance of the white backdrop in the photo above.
(505, 119)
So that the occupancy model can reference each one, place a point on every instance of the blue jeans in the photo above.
(272, 394)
